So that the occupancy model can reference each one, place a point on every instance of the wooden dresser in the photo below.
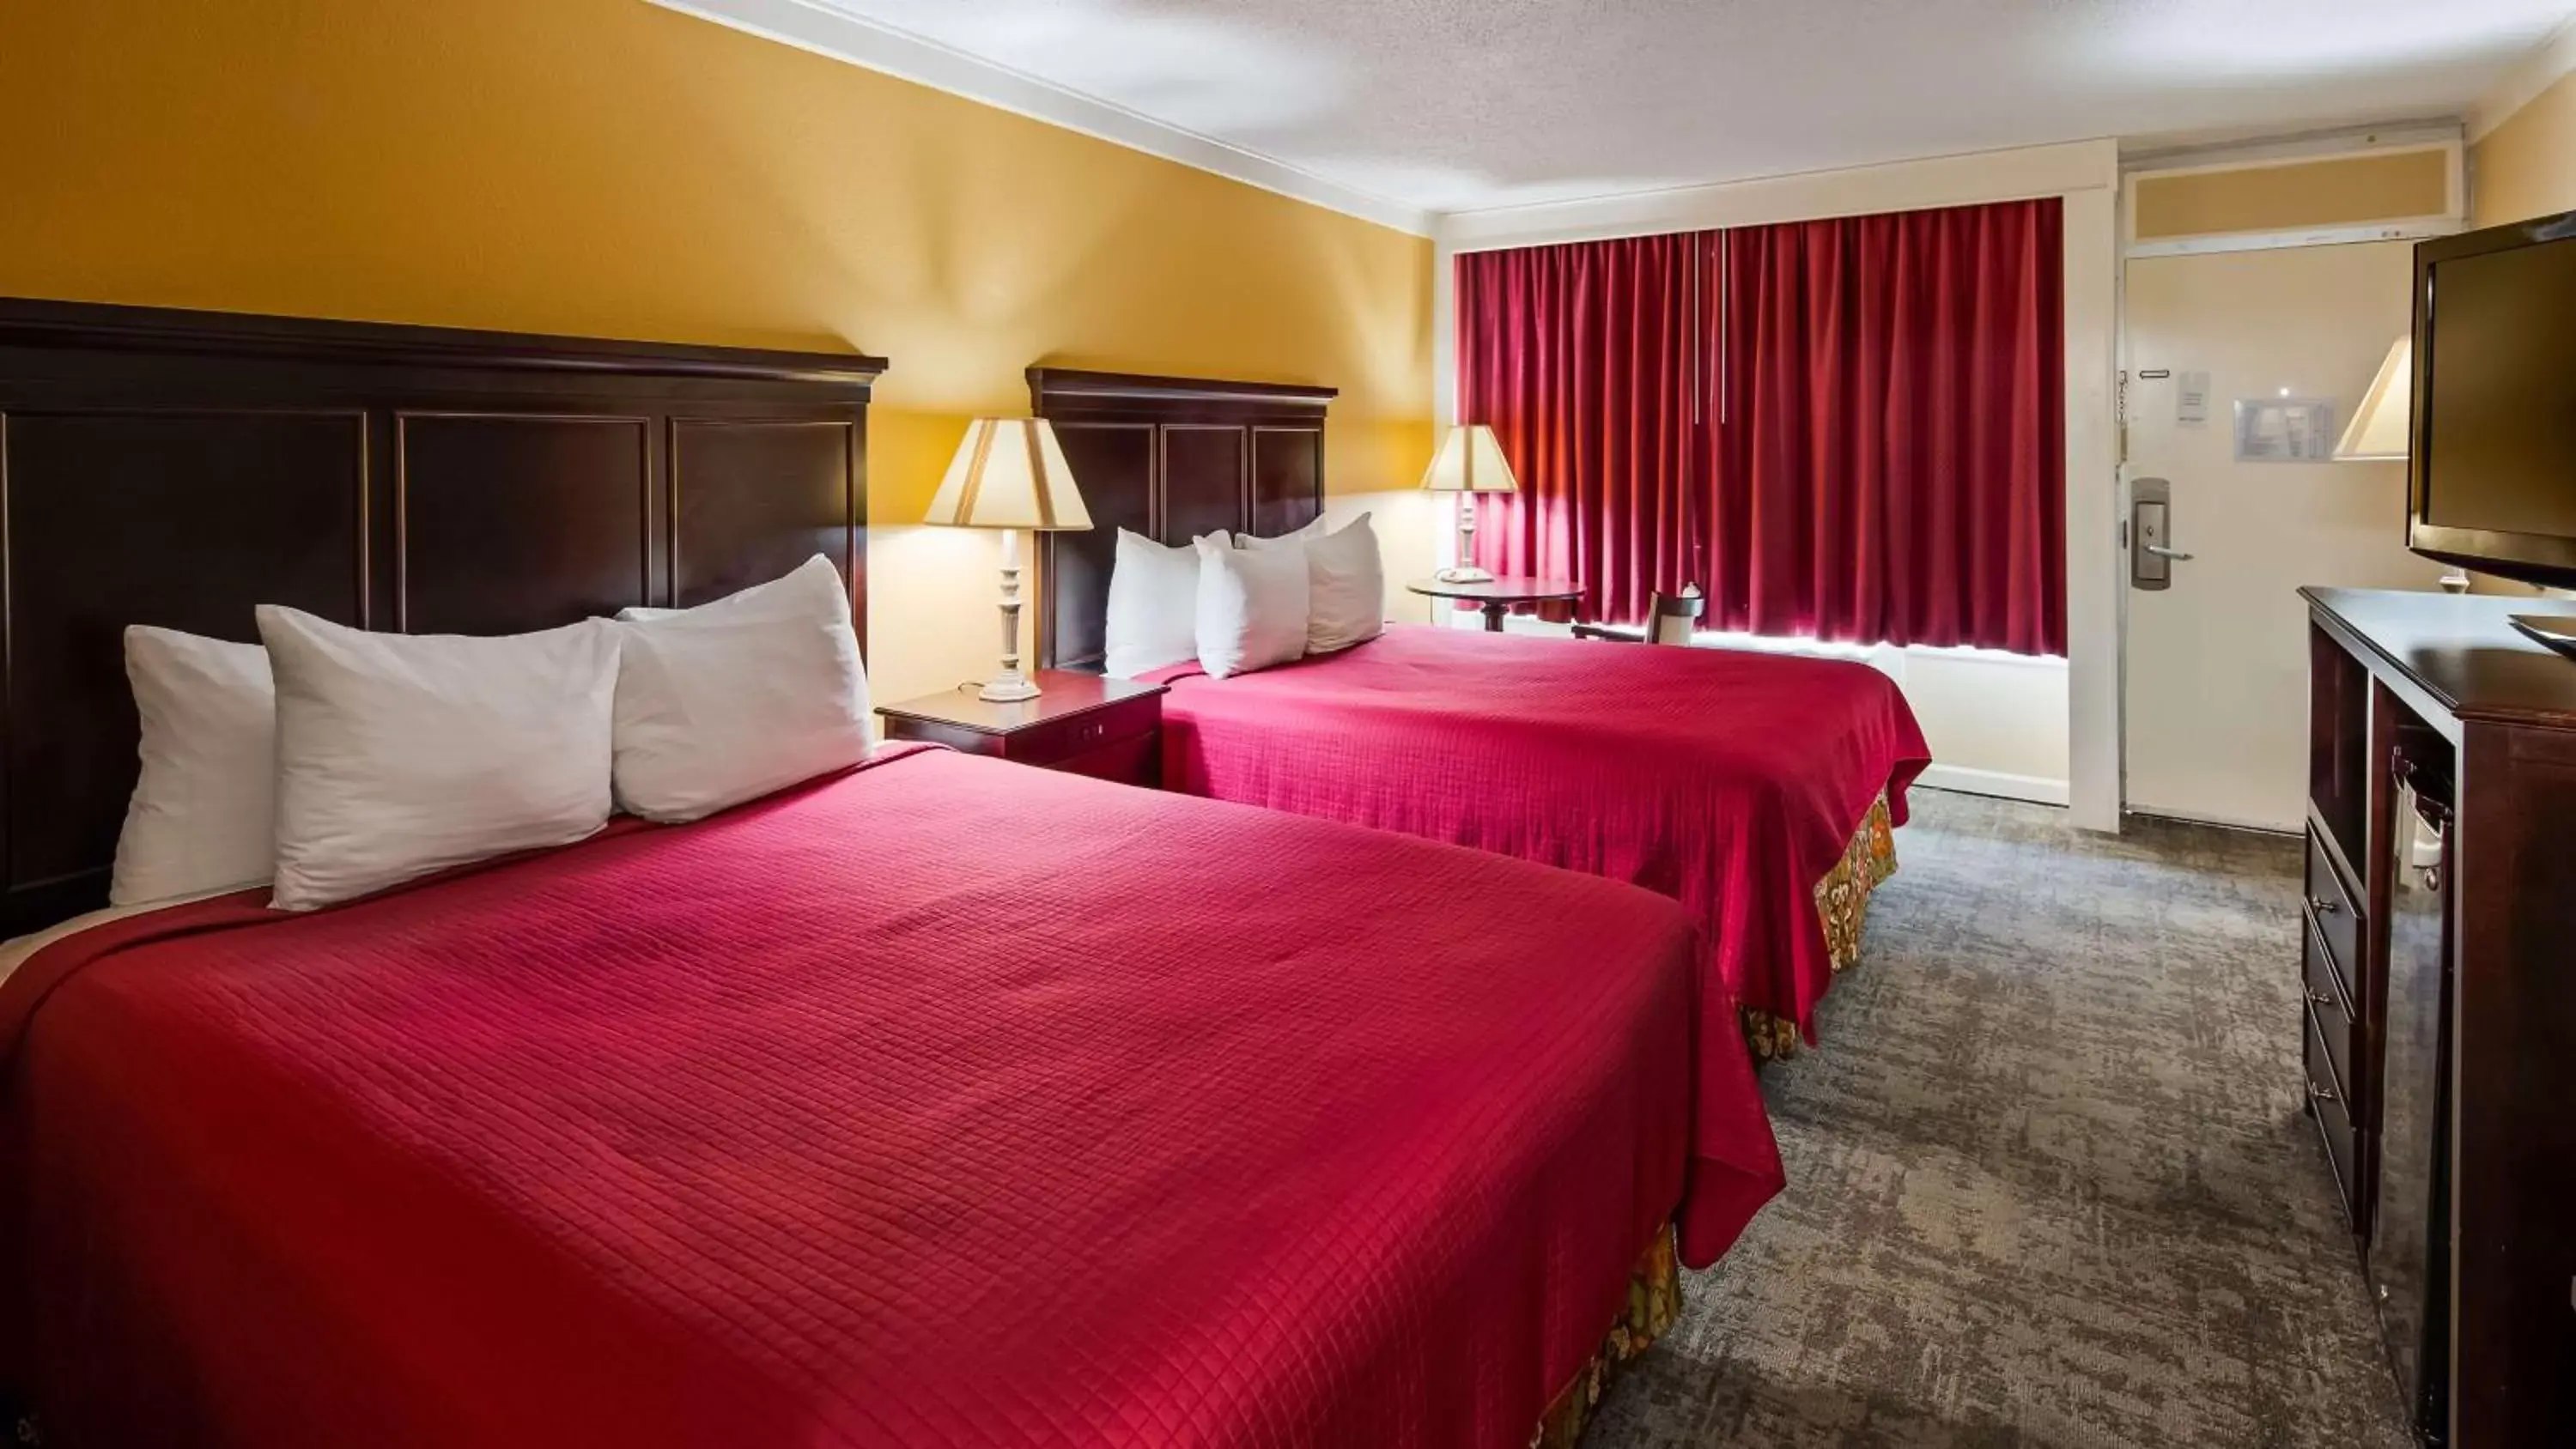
(2439, 974)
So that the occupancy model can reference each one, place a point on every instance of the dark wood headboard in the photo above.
(1169, 458)
(177, 468)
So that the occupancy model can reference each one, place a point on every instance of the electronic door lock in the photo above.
(2151, 551)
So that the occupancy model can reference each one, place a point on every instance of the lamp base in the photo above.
(1465, 574)
(1010, 686)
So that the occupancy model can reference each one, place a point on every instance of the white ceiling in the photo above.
(1450, 105)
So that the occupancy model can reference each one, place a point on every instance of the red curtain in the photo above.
(1890, 460)
(1849, 430)
(1582, 358)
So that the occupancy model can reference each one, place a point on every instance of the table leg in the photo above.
(1494, 617)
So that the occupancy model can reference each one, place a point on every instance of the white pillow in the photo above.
(1251, 607)
(1153, 605)
(791, 589)
(1314, 529)
(731, 700)
(1346, 579)
(399, 755)
(204, 813)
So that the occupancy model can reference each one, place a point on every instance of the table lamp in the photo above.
(2380, 426)
(1009, 474)
(2382, 429)
(1470, 461)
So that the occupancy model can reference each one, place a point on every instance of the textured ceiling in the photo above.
(1452, 105)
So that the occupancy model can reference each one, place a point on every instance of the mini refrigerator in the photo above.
(2410, 1249)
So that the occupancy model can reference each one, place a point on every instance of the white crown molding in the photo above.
(2538, 70)
(2339, 142)
(1962, 180)
(824, 30)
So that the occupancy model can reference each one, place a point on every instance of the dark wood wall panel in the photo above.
(753, 498)
(1287, 479)
(1170, 458)
(182, 520)
(1113, 465)
(1205, 481)
(178, 468)
(508, 522)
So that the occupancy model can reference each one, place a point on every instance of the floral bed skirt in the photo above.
(1654, 1305)
(1842, 902)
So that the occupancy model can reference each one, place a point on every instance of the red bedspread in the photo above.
(946, 1103)
(1728, 780)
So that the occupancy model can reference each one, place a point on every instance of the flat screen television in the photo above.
(2492, 484)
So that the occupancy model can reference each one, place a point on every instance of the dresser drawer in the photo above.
(2330, 1011)
(2326, 1102)
(2337, 921)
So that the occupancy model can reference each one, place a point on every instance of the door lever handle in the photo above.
(2173, 554)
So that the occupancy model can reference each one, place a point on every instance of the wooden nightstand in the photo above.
(1111, 729)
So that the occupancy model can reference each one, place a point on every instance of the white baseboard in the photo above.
(2038, 789)
(2222, 822)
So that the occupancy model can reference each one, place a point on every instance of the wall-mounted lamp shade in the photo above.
(1009, 473)
(2380, 430)
(1470, 461)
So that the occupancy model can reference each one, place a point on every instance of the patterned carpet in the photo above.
(2049, 1184)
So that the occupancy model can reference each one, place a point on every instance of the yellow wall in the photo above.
(2526, 167)
(2332, 192)
(608, 168)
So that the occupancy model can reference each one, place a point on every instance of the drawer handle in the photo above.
(2320, 998)
(2322, 1094)
(2322, 906)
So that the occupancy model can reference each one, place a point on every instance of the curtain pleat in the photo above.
(1580, 358)
(1847, 430)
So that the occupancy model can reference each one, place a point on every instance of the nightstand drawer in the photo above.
(1083, 723)
(1079, 734)
(1134, 760)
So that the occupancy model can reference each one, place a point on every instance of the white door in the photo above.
(2214, 677)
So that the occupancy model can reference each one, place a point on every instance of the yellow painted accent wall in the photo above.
(2335, 191)
(608, 168)
(2526, 167)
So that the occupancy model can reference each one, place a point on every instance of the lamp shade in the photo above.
(1009, 473)
(2381, 427)
(1470, 460)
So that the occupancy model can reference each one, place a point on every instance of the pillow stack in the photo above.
(1346, 582)
(1243, 603)
(336, 762)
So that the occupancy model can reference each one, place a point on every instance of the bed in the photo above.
(940, 1101)
(913, 1107)
(1761, 790)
